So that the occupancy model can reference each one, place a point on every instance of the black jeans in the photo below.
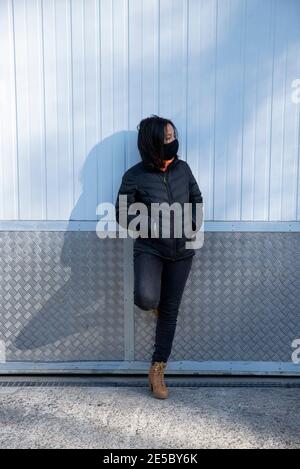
(159, 283)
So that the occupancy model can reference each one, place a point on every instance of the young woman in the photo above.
(161, 264)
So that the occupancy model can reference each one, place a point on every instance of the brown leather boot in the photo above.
(156, 380)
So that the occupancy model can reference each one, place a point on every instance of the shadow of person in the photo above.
(81, 275)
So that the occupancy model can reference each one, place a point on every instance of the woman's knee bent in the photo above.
(145, 301)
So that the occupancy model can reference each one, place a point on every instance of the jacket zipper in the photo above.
(169, 196)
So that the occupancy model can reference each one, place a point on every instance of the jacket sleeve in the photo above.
(195, 198)
(128, 187)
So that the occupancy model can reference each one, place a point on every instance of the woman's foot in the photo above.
(156, 380)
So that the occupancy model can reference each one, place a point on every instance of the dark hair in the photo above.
(151, 139)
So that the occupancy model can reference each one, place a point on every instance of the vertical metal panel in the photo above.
(8, 133)
(286, 69)
(58, 108)
(173, 65)
(84, 106)
(77, 76)
(28, 43)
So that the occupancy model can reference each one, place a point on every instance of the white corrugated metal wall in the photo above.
(78, 75)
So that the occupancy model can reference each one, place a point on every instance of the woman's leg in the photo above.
(174, 277)
(147, 280)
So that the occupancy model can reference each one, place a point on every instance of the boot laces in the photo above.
(159, 368)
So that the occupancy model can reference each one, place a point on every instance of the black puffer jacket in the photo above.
(147, 185)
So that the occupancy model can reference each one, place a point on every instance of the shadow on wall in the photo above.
(84, 308)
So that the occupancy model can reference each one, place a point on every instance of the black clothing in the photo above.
(159, 283)
(149, 185)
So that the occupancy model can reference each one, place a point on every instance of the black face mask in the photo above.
(170, 149)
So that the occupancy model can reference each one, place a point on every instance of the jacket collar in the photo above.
(169, 167)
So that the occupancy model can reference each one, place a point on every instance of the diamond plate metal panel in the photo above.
(241, 302)
(61, 296)
(62, 299)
